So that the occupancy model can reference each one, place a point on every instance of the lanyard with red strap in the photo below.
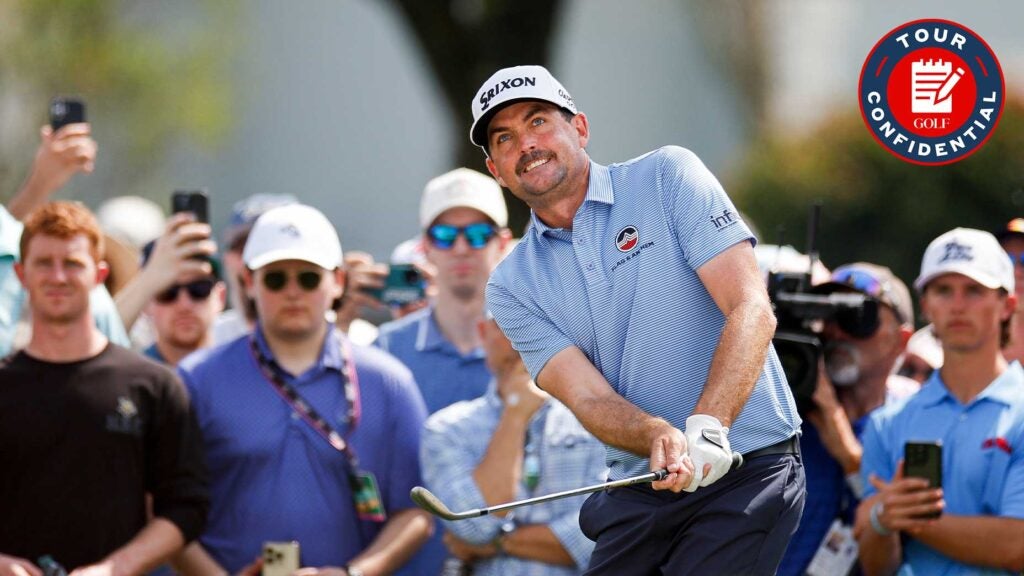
(363, 483)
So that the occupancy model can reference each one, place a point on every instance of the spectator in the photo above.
(240, 318)
(89, 427)
(181, 255)
(183, 314)
(854, 379)
(464, 219)
(464, 222)
(1011, 238)
(515, 442)
(59, 157)
(974, 405)
(922, 356)
(298, 423)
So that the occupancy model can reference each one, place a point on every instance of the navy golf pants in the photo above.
(741, 524)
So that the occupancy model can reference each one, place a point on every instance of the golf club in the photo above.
(426, 500)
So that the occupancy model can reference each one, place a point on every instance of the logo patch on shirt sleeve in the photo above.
(724, 220)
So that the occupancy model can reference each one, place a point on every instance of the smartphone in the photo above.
(194, 201)
(923, 459)
(280, 558)
(403, 285)
(64, 111)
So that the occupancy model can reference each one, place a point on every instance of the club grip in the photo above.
(737, 462)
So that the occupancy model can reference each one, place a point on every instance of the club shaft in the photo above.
(641, 479)
(426, 500)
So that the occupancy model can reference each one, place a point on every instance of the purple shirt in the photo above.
(273, 478)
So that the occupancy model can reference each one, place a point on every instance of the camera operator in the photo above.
(854, 379)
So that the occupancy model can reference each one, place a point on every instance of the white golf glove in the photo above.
(708, 443)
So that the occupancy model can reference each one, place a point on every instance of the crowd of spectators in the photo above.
(219, 396)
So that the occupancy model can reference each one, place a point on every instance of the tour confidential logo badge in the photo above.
(931, 92)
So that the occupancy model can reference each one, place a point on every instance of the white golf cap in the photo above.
(465, 188)
(973, 253)
(294, 232)
(510, 85)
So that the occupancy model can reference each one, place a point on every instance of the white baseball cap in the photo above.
(973, 253)
(463, 187)
(293, 232)
(510, 85)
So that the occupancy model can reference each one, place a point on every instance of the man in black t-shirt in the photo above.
(88, 427)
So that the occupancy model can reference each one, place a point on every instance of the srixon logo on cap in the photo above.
(486, 97)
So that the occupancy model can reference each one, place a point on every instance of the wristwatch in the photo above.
(507, 527)
(353, 571)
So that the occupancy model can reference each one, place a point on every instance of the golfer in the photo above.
(635, 299)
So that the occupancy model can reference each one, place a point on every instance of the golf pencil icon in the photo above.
(931, 86)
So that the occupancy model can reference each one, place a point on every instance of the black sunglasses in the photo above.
(198, 291)
(276, 280)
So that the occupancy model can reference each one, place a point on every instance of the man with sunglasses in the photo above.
(308, 437)
(184, 312)
(240, 317)
(1011, 238)
(854, 379)
(635, 299)
(974, 406)
(464, 219)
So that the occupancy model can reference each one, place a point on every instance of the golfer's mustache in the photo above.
(533, 156)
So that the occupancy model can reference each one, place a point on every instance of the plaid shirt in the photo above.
(453, 444)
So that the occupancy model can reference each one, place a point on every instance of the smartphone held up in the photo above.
(195, 201)
(65, 110)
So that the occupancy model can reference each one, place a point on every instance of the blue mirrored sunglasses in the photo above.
(443, 236)
(859, 280)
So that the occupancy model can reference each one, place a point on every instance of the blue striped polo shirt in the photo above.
(622, 286)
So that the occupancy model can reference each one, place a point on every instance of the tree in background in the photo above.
(148, 80)
(877, 207)
(465, 42)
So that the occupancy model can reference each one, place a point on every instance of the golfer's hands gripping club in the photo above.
(668, 451)
(708, 443)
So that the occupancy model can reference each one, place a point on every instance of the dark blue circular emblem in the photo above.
(931, 92)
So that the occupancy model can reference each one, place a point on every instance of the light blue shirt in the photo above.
(982, 455)
(635, 306)
(455, 441)
(12, 294)
(444, 374)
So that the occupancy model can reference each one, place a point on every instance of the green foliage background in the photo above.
(876, 207)
(148, 76)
